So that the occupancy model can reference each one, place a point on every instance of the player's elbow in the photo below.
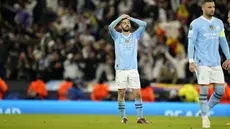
(144, 24)
(110, 27)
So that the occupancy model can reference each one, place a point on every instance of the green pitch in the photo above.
(104, 122)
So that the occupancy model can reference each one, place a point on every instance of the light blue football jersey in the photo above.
(205, 35)
(126, 47)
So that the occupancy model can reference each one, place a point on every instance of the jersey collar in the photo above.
(207, 19)
(126, 36)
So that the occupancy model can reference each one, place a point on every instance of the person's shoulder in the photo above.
(194, 24)
(217, 20)
(118, 34)
(196, 21)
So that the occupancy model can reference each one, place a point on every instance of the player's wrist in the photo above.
(191, 61)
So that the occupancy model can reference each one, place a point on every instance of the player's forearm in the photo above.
(114, 23)
(224, 46)
(139, 22)
(190, 50)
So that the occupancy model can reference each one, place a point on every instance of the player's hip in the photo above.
(127, 79)
(125, 66)
(207, 75)
(210, 62)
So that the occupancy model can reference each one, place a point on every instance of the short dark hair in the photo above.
(205, 1)
(122, 20)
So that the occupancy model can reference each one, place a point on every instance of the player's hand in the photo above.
(123, 16)
(192, 67)
(226, 65)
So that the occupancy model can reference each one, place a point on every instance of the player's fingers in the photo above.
(224, 65)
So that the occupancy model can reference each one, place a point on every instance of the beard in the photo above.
(210, 14)
(126, 29)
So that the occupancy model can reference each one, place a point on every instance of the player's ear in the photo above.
(119, 27)
(203, 6)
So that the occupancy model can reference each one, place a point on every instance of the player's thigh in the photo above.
(217, 75)
(203, 75)
(121, 79)
(134, 79)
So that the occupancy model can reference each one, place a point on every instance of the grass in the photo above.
(104, 122)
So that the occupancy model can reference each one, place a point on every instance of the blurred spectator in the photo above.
(173, 96)
(188, 93)
(125, 6)
(100, 91)
(226, 96)
(37, 90)
(105, 63)
(13, 61)
(64, 87)
(179, 64)
(167, 73)
(146, 63)
(147, 94)
(3, 88)
(71, 68)
(75, 92)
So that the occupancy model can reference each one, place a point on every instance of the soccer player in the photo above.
(205, 35)
(127, 76)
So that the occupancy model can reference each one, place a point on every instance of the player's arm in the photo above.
(192, 36)
(112, 26)
(225, 48)
(224, 44)
(142, 26)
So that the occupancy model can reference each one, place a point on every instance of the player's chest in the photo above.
(126, 43)
(209, 31)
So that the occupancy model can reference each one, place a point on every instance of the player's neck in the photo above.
(126, 33)
(207, 17)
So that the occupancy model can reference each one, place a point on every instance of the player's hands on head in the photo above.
(192, 67)
(123, 16)
(226, 65)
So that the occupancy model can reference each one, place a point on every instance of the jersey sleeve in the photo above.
(193, 32)
(223, 41)
(192, 37)
(141, 28)
(222, 33)
(114, 34)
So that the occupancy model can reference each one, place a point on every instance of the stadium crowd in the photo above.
(69, 39)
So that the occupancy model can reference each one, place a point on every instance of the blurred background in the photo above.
(62, 50)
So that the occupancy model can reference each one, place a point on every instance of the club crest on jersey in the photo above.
(211, 27)
(126, 41)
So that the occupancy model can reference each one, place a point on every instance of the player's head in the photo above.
(208, 8)
(125, 25)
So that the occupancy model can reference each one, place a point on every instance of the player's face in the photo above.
(125, 25)
(209, 9)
